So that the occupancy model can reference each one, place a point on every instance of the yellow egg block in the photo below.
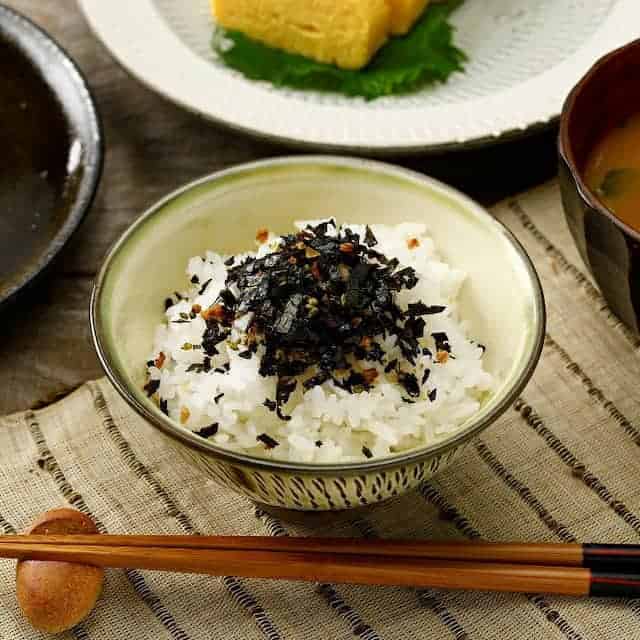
(404, 14)
(346, 33)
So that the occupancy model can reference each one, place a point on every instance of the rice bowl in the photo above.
(500, 302)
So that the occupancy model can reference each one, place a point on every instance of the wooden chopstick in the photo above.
(317, 567)
(546, 554)
(336, 560)
(570, 555)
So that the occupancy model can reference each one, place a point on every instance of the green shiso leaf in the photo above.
(424, 56)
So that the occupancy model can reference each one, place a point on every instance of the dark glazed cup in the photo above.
(605, 97)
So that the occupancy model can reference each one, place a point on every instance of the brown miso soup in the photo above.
(613, 171)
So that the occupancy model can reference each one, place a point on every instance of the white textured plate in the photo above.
(525, 55)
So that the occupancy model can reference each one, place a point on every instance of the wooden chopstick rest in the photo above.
(56, 596)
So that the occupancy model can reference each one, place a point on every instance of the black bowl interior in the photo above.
(50, 151)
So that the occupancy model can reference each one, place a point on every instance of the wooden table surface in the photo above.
(152, 148)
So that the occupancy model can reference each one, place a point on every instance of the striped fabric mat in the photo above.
(562, 465)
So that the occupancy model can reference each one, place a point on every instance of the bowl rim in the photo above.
(409, 457)
(565, 147)
(24, 30)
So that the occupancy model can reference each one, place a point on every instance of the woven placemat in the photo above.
(562, 465)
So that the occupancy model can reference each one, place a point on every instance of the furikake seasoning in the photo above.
(319, 305)
(318, 302)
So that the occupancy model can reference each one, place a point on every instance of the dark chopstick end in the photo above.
(614, 585)
(618, 558)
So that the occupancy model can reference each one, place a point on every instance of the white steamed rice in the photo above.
(346, 425)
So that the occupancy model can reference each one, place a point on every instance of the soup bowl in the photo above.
(502, 301)
(604, 98)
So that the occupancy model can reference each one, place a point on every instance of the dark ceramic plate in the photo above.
(50, 151)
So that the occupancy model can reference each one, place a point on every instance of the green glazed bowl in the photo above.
(502, 301)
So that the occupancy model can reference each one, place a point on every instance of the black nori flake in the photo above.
(482, 347)
(408, 401)
(405, 278)
(374, 353)
(213, 336)
(168, 303)
(245, 355)
(321, 229)
(178, 296)
(284, 389)
(220, 370)
(354, 383)
(369, 239)
(218, 398)
(270, 404)
(367, 452)
(375, 255)
(421, 309)
(195, 280)
(229, 261)
(410, 383)
(228, 298)
(442, 342)
(391, 366)
(267, 441)
(208, 432)
(180, 321)
(414, 327)
(151, 387)
(184, 316)
(433, 394)
(150, 363)
(427, 352)
(203, 288)
(318, 443)
(195, 368)
(393, 264)
(164, 407)
(408, 345)
(316, 380)
(289, 315)
(425, 376)
(351, 236)
(206, 364)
